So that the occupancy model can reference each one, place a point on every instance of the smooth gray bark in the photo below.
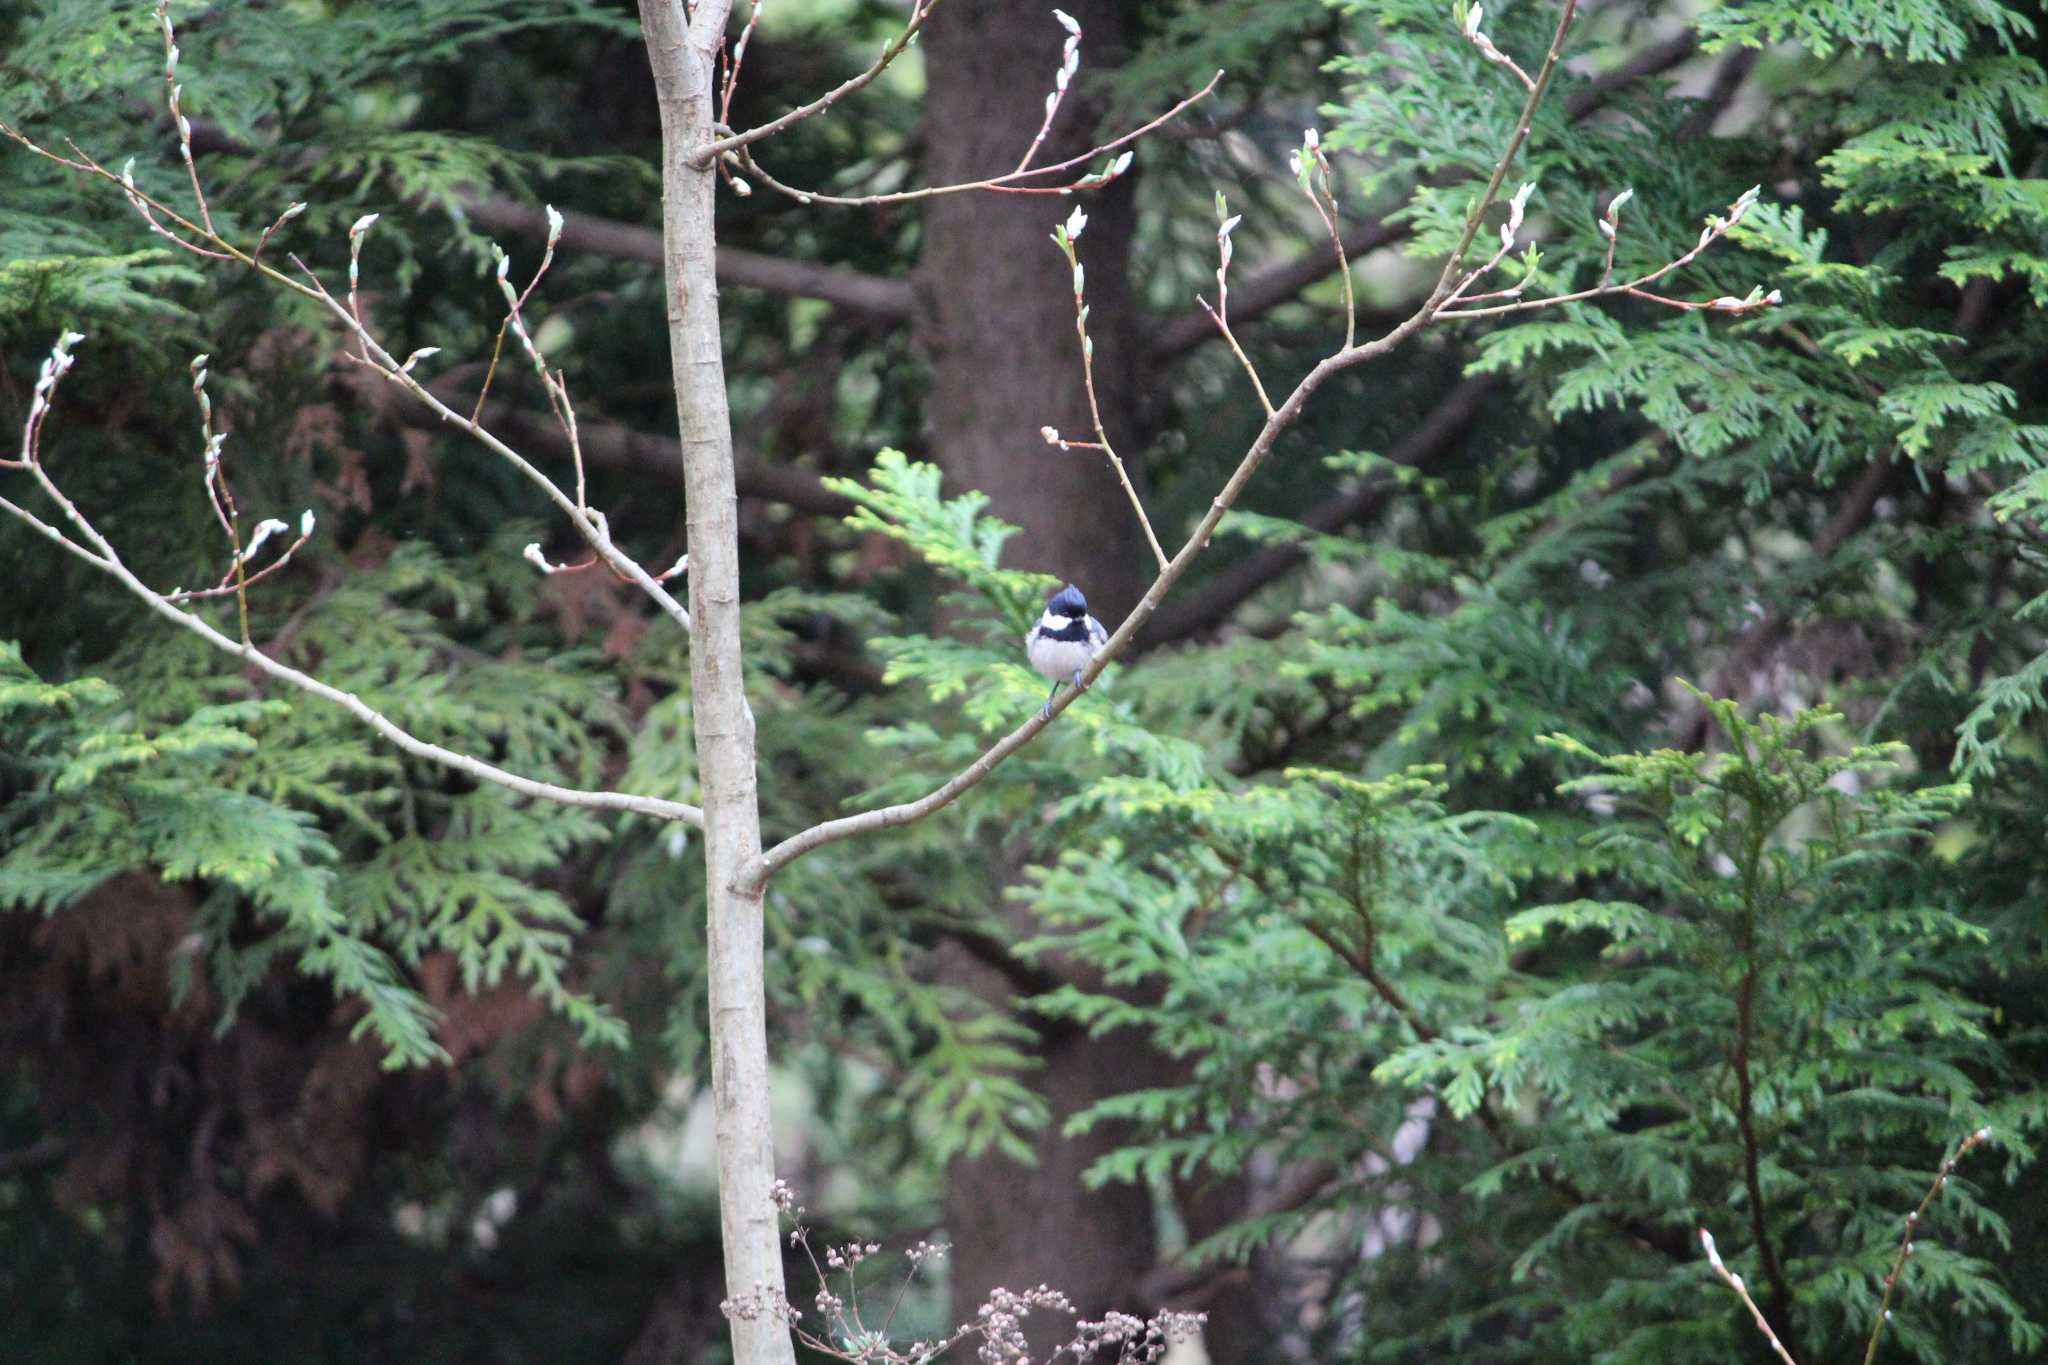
(682, 53)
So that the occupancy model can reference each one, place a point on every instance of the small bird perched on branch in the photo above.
(1065, 641)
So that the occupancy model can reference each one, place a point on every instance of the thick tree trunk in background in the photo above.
(996, 308)
(681, 55)
(996, 318)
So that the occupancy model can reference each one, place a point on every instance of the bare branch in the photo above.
(1220, 314)
(1070, 62)
(1274, 285)
(1264, 290)
(756, 873)
(1717, 227)
(1891, 1281)
(1473, 18)
(1005, 184)
(1456, 259)
(172, 93)
(887, 817)
(1734, 1282)
(608, 444)
(373, 353)
(1222, 592)
(1064, 237)
(108, 561)
(920, 10)
(1312, 172)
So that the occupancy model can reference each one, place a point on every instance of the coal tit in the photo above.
(1065, 641)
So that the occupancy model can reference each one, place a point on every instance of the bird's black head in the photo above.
(1068, 602)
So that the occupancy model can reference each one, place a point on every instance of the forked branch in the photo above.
(1278, 420)
(1012, 183)
(920, 10)
(95, 549)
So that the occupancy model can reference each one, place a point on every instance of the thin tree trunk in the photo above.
(682, 53)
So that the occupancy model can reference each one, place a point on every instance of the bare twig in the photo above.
(102, 555)
(1274, 285)
(172, 94)
(1221, 592)
(1312, 172)
(1064, 237)
(920, 10)
(1734, 1282)
(1070, 62)
(732, 66)
(1226, 222)
(1473, 18)
(1515, 140)
(1004, 184)
(372, 352)
(1716, 228)
(1891, 1281)
(757, 872)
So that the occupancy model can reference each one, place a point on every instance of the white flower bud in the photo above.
(306, 523)
(1067, 21)
(554, 225)
(532, 555)
(265, 529)
(362, 224)
(1520, 202)
(1473, 18)
(1076, 221)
